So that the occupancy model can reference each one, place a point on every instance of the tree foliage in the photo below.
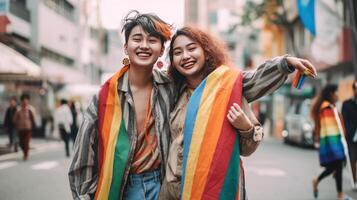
(273, 11)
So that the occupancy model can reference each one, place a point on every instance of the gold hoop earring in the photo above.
(126, 61)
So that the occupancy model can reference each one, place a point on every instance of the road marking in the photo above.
(275, 172)
(40, 148)
(271, 172)
(45, 165)
(7, 164)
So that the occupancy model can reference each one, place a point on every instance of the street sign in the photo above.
(4, 7)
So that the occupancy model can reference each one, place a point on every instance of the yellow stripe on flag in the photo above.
(207, 99)
(212, 133)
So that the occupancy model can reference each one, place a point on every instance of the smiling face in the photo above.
(188, 58)
(143, 49)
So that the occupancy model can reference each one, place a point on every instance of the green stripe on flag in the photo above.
(231, 181)
(120, 158)
(336, 139)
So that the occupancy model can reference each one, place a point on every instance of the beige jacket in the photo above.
(171, 183)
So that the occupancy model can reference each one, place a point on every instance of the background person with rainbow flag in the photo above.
(329, 138)
(211, 125)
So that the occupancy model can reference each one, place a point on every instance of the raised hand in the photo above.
(302, 65)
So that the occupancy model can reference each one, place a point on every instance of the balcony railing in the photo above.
(19, 9)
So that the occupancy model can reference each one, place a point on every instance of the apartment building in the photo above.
(53, 34)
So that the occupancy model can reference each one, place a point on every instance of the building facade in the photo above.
(56, 35)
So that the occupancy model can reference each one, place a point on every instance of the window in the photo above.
(62, 7)
(56, 57)
(18, 8)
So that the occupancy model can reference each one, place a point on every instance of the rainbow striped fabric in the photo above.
(211, 160)
(113, 140)
(331, 146)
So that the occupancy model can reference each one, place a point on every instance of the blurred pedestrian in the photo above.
(349, 113)
(75, 116)
(9, 124)
(24, 120)
(63, 121)
(328, 133)
(263, 112)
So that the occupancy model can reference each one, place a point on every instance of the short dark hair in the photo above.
(151, 23)
(25, 96)
(63, 101)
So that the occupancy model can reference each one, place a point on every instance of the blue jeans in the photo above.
(144, 186)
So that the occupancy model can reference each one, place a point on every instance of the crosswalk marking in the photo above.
(275, 172)
(7, 164)
(45, 165)
(271, 172)
(37, 149)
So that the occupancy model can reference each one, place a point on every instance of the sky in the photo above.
(113, 11)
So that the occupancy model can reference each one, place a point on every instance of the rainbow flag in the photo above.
(331, 146)
(211, 160)
(113, 140)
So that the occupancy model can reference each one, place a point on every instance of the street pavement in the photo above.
(42, 176)
(276, 171)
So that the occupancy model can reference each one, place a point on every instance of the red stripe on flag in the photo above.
(224, 148)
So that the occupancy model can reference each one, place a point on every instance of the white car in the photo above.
(298, 125)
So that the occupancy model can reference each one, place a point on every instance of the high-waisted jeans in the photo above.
(144, 186)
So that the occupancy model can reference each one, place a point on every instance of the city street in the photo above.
(274, 172)
(279, 172)
(42, 176)
(66, 65)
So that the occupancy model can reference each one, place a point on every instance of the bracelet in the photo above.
(256, 133)
(248, 133)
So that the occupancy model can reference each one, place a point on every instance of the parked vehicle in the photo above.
(298, 125)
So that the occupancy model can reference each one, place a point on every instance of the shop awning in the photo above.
(82, 90)
(82, 93)
(14, 63)
(61, 74)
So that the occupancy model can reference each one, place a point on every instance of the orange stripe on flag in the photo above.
(213, 130)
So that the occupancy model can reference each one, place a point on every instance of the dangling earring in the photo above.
(159, 64)
(126, 61)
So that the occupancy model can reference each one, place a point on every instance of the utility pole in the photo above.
(100, 37)
(352, 5)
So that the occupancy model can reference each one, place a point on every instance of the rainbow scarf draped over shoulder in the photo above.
(331, 146)
(113, 140)
(211, 160)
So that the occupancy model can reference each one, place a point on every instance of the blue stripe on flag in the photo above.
(191, 114)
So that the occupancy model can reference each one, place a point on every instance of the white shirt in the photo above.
(63, 116)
